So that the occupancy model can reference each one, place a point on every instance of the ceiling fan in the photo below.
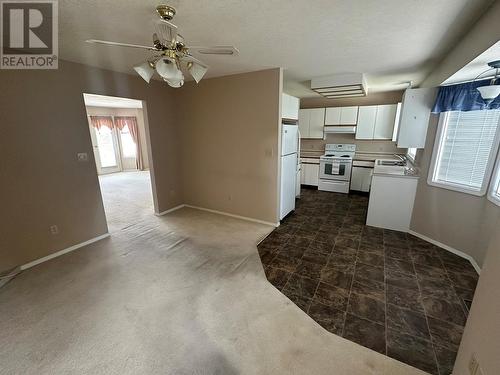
(172, 55)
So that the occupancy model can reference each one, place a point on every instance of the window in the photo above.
(412, 153)
(494, 194)
(464, 151)
(128, 146)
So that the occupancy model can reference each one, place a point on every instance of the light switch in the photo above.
(82, 156)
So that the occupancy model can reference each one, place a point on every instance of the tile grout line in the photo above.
(385, 294)
(425, 314)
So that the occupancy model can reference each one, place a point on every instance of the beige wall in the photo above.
(43, 124)
(230, 129)
(462, 221)
(482, 331)
(390, 97)
(136, 112)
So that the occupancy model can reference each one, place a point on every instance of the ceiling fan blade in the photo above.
(215, 50)
(167, 31)
(118, 44)
(194, 59)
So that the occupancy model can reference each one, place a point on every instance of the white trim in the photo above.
(494, 183)
(434, 165)
(62, 252)
(170, 210)
(448, 248)
(232, 215)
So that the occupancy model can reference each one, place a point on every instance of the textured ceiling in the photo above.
(392, 41)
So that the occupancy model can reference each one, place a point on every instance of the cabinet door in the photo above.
(304, 116)
(367, 179)
(349, 115)
(356, 179)
(385, 120)
(285, 106)
(303, 173)
(294, 107)
(415, 113)
(316, 123)
(314, 175)
(332, 116)
(366, 122)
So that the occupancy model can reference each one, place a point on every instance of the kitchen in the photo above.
(364, 145)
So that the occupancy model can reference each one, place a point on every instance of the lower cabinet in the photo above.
(361, 178)
(309, 174)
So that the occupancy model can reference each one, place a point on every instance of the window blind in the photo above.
(466, 148)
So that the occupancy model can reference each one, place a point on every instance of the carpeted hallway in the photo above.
(127, 198)
(179, 294)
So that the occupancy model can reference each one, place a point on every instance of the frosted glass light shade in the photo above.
(145, 71)
(197, 71)
(489, 92)
(176, 83)
(168, 70)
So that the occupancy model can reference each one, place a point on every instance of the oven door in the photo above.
(325, 170)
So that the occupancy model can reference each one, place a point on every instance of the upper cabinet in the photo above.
(311, 123)
(290, 107)
(341, 116)
(414, 119)
(376, 122)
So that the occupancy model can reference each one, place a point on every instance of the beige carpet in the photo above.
(179, 294)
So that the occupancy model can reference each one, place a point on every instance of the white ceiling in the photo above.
(392, 41)
(93, 100)
(476, 66)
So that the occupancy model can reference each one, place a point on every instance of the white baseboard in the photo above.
(170, 210)
(62, 252)
(232, 215)
(449, 248)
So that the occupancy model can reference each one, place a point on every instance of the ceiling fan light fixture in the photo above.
(145, 70)
(168, 69)
(196, 70)
(489, 92)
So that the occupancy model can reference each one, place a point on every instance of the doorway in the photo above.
(117, 129)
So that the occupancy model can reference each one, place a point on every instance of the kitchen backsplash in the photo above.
(363, 146)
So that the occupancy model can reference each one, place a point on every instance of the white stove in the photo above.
(335, 167)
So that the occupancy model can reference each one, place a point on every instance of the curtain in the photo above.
(131, 123)
(463, 97)
(100, 121)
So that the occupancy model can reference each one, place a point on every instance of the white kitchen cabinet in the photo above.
(316, 123)
(311, 122)
(290, 107)
(391, 202)
(349, 115)
(414, 119)
(309, 174)
(376, 122)
(385, 121)
(332, 116)
(366, 122)
(361, 178)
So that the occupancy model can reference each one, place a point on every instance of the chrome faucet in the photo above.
(402, 160)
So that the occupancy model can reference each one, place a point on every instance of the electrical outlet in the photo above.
(82, 156)
(54, 229)
(473, 365)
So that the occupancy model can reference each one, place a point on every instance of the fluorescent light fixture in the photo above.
(145, 70)
(489, 92)
(340, 85)
(196, 70)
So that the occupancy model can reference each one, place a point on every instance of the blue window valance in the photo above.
(463, 97)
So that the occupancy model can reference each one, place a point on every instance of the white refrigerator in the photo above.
(289, 166)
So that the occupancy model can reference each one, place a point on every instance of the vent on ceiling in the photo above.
(340, 85)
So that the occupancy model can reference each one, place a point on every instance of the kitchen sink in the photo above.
(393, 163)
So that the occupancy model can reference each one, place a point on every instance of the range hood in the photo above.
(341, 129)
(347, 85)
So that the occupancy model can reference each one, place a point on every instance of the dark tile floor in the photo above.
(386, 290)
